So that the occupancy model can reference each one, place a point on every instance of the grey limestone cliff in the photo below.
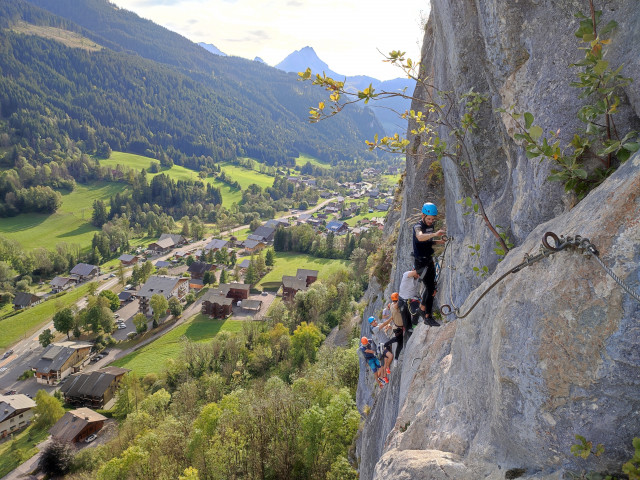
(553, 350)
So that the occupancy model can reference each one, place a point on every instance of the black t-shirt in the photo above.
(422, 249)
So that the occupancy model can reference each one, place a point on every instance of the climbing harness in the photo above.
(547, 248)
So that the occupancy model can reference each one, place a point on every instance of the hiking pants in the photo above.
(427, 270)
(397, 339)
(403, 306)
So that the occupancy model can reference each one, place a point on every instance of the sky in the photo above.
(347, 35)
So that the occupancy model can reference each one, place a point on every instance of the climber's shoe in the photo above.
(388, 371)
(431, 322)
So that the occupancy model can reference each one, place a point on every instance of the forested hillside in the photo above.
(193, 104)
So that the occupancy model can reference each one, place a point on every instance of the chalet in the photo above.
(125, 297)
(303, 217)
(309, 276)
(59, 284)
(325, 194)
(275, 223)
(162, 285)
(382, 207)
(215, 245)
(315, 222)
(177, 239)
(292, 285)
(198, 269)
(216, 305)
(25, 299)
(236, 291)
(252, 246)
(373, 193)
(93, 389)
(254, 305)
(59, 360)
(163, 264)
(245, 263)
(337, 227)
(310, 182)
(378, 222)
(76, 425)
(16, 412)
(127, 259)
(84, 271)
(371, 202)
(162, 246)
(264, 233)
(332, 210)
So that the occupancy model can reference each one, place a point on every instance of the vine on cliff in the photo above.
(600, 82)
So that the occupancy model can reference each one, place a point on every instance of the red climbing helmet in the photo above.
(364, 341)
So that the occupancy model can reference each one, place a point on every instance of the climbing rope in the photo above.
(546, 249)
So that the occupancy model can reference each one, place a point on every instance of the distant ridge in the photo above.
(210, 47)
(306, 57)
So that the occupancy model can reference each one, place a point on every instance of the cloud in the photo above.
(294, 3)
(252, 36)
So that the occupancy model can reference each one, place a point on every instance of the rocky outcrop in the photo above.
(553, 350)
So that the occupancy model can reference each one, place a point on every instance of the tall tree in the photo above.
(63, 321)
(159, 304)
(48, 410)
(46, 337)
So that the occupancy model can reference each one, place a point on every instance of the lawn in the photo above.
(21, 448)
(152, 357)
(69, 224)
(353, 221)
(287, 263)
(246, 177)
(31, 319)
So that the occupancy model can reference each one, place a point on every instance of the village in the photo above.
(209, 276)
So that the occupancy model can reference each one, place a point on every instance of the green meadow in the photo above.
(304, 159)
(21, 448)
(31, 319)
(287, 263)
(70, 224)
(243, 176)
(153, 357)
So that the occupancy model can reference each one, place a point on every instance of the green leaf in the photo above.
(600, 67)
(532, 154)
(535, 132)
(580, 173)
(528, 120)
(610, 149)
(608, 27)
(469, 201)
(623, 155)
(631, 146)
(475, 207)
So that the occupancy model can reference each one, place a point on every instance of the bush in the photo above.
(26, 375)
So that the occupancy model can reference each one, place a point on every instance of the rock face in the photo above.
(553, 350)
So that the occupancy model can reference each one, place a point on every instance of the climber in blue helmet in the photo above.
(424, 238)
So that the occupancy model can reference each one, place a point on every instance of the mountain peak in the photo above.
(302, 59)
(210, 47)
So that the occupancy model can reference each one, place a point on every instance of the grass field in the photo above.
(152, 357)
(69, 224)
(287, 263)
(20, 449)
(31, 319)
(243, 176)
(353, 221)
(304, 159)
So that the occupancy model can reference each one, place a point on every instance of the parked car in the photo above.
(264, 293)
(121, 326)
(91, 438)
(7, 354)
(127, 286)
(116, 315)
(111, 275)
(10, 392)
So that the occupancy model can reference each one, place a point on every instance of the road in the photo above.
(28, 351)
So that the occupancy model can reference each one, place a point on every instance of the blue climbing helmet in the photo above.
(429, 209)
(371, 319)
